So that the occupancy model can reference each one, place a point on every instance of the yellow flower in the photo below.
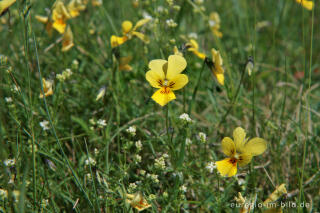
(60, 15)
(306, 3)
(214, 23)
(96, 3)
(271, 202)
(216, 66)
(124, 63)
(137, 201)
(176, 51)
(193, 47)
(240, 151)
(75, 6)
(67, 40)
(5, 4)
(47, 88)
(128, 32)
(45, 20)
(165, 75)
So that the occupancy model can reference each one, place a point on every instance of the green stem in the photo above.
(195, 90)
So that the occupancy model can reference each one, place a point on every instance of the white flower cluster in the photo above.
(153, 177)
(188, 141)
(171, 23)
(132, 130)
(211, 166)
(160, 163)
(137, 158)
(185, 117)
(90, 161)
(101, 123)
(139, 145)
(202, 137)
(65, 75)
(45, 125)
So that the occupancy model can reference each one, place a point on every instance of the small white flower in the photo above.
(132, 130)
(137, 158)
(8, 99)
(160, 163)
(183, 188)
(132, 187)
(202, 137)
(185, 117)
(211, 166)
(153, 177)
(212, 23)
(146, 15)
(241, 181)
(45, 125)
(188, 141)
(90, 161)
(96, 151)
(171, 23)
(9, 162)
(165, 155)
(139, 145)
(193, 35)
(102, 122)
(142, 172)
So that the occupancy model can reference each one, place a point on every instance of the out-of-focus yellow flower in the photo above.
(60, 15)
(128, 32)
(45, 20)
(216, 66)
(124, 63)
(214, 23)
(101, 93)
(193, 47)
(5, 4)
(271, 202)
(306, 3)
(137, 201)
(165, 75)
(75, 7)
(244, 203)
(240, 151)
(67, 40)
(176, 51)
(96, 3)
(47, 88)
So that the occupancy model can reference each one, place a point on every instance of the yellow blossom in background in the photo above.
(60, 15)
(193, 47)
(216, 67)
(306, 3)
(124, 63)
(5, 4)
(244, 203)
(101, 93)
(176, 51)
(239, 151)
(47, 88)
(128, 32)
(67, 40)
(165, 75)
(75, 7)
(271, 202)
(137, 201)
(214, 23)
(96, 3)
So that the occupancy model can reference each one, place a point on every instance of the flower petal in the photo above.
(126, 26)
(117, 41)
(141, 36)
(154, 79)
(228, 146)
(158, 66)
(163, 96)
(67, 40)
(5, 4)
(176, 64)
(255, 146)
(178, 81)
(140, 23)
(226, 168)
(219, 77)
(244, 159)
(239, 136)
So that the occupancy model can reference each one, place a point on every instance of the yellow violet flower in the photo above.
(306, 3)
(47, 88)
(128, 32)
(137, 201)
(75, 7)
(214, 23)
(124, 63)
(60, 15)
(165, 75)
(270, 202)
(240, 151)
(67, 40)
(216, 67)
(193, 47)
(5, 4)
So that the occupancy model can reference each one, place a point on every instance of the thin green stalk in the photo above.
(53, 128)
(195, 90)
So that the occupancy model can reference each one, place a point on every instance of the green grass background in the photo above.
(273, 103)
